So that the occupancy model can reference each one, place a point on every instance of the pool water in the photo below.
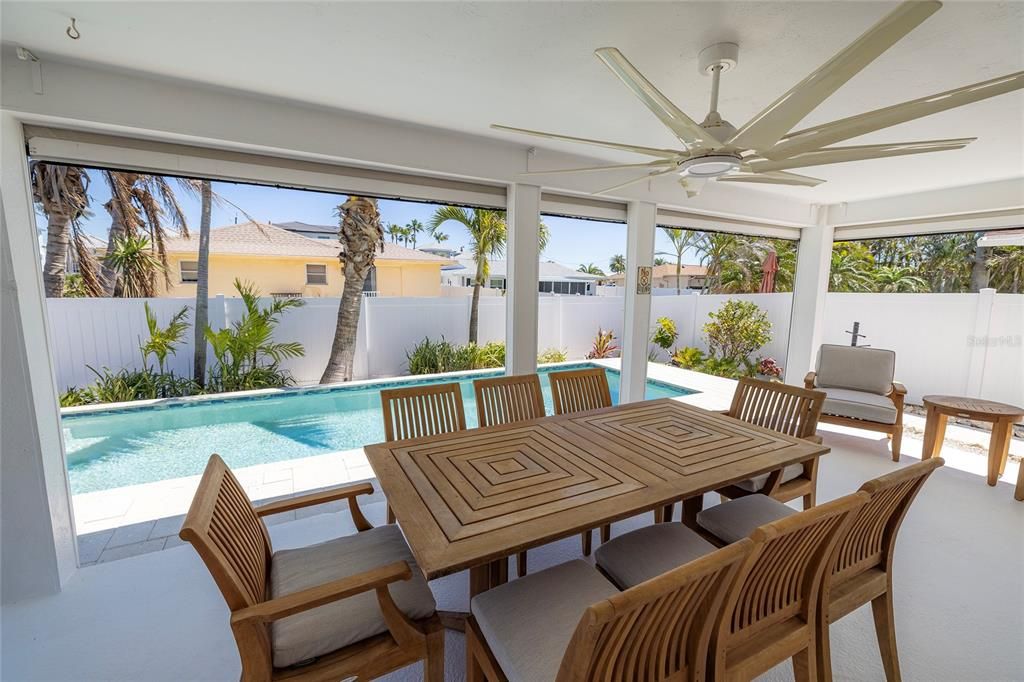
(129, 446)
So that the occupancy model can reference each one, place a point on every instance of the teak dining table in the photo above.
(470, 499)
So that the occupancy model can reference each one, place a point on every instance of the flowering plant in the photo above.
(768, 367)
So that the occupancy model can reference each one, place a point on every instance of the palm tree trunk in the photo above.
(679, 274)
(474, 313)
(57, 239)
(979, 269)
(343, 350)
(202, 285)
(116, 232)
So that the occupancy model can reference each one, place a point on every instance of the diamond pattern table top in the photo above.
(474, 496)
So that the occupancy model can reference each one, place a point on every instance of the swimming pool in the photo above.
(128, 446)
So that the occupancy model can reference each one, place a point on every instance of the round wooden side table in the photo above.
(1000, 415)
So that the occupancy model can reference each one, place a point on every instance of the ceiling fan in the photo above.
(763, 150)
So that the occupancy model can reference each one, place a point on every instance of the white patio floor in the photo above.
(958, 592)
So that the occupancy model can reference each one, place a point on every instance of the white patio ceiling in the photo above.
(462, 66)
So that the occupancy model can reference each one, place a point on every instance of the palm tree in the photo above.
(62, 194)
(1007, 266)
(979, 264)
(396, 232)
(660, 261)
(617, 264)
(681, 240)
(850, 270)
(894, 279)
(134, 267)
(144, 205)
(488, 234)
(361, 235)
(719, 248)
(414, 227)
(202, 283)
(590, 269)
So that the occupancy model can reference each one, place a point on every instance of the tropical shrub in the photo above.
(688, 357)
(131, 384)
(665, 333)
(490, 355)
(551, 355)
(737, 330)
(163, 341)
(74, 396)
(435, 357)
(604, 346)
(246, 356)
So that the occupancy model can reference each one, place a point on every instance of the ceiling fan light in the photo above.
(712, 166)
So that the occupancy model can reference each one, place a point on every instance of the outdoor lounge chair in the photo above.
(353, 606)
(861, 570)
(860, 390)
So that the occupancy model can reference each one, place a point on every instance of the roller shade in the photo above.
(696, 221)
(166, 158)
(590, 208)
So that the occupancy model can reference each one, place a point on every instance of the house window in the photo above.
(189, 271)
(370, 283)
(316, 274)
(545, 287)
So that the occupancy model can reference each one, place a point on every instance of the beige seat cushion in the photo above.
(859, 405)
(736, 519)
(647, 552)
(757, 482)
(858, 369)
(332, 626)
(529, 622)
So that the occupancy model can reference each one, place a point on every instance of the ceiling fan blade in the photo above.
(773, 178)
(768, 127)
(692, 185)
(649, 151)
(635, 181)
(684, 127)
(652, 164)
(822, 157)
(843, 129)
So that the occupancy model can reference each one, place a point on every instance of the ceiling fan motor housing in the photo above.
(724, 55)
(710, 166)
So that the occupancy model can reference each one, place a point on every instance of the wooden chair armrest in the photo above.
(313, 597)
(809, 379)
(898, 388)
(348, 492)
(814, 439)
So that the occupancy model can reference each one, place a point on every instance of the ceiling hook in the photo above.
(73, 31)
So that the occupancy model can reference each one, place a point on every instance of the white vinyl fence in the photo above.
(968, 344)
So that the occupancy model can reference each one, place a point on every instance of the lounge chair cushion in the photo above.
(757, 482)
(529, 622)
(859, 405)
(857, 369)
(736, 519)
(330, 627)
(645, 553)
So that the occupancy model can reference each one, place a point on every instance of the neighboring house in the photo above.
(664, 277)
(552, 277)
(283, 263)
(441, 250)
(310, 231)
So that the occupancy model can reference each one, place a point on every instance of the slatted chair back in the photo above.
(658, 630)
(782, 577)
(505, 400)
(788, 409)
(229, 537)
(580, 390)
(420, 411)
(872, 537)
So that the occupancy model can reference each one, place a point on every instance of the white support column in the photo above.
(640, 224)
(978, 342)
(521, 284)
(39, 552)
(814, 261)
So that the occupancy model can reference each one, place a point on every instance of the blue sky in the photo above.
(573, 241)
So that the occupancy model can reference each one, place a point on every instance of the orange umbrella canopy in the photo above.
(768, 270)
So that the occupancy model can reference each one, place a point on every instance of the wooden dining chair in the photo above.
(771, 613)
(787, 409)
(355, 606)
(420, 411)
(506, 400)
(569, 624)
(861, 570)
(579, 390)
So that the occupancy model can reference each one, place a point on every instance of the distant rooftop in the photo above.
(549, 270)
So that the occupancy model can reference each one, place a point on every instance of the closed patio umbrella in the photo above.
(768, 270)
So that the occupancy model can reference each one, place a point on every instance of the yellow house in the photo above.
(282, 263)
(664, 277)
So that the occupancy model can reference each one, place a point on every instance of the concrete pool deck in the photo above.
(123, 522)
